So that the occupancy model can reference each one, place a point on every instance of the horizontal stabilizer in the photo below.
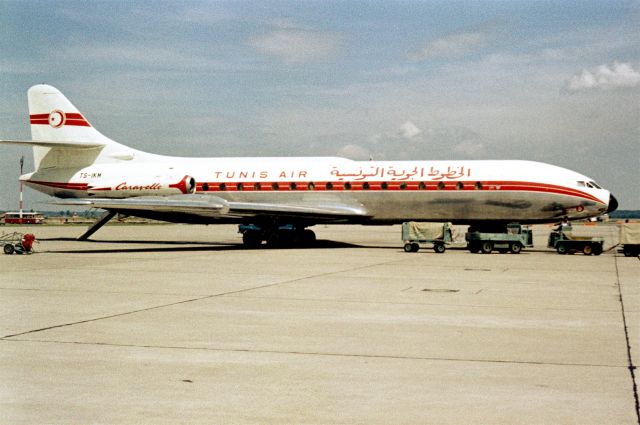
(56, 144)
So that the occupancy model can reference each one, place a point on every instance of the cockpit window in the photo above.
(581, 184)
(594, 184)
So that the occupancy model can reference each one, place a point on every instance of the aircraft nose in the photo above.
(613, 204)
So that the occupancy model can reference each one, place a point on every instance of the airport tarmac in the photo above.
(170, 324)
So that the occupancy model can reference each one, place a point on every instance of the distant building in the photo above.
(27, 218)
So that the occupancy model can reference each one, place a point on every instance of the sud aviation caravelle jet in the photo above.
(79, 165)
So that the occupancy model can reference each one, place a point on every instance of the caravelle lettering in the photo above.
(153, 186)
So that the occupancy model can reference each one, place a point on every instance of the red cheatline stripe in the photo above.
(360, 186)
(393, 186)
(61, 185)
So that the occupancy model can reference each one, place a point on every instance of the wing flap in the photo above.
(298, 209)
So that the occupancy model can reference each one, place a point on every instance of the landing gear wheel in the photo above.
(587, 250)
(251, 239)
(561, 248)
(439, 248)
(274, 240)
(8, 249)
(486, 247)
(515, 248)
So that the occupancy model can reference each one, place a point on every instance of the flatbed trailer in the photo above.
(414, 233)
(513, 239)
(564, 242)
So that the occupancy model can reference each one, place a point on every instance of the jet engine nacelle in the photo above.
(140, 186)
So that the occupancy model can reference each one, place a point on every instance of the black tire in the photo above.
(439, 248)
(8, 249)
(562, 249)
(486, 247)
(251, 239)
(473, 247)
(408, 247)
(274, 240)
(597, 249)
(587, 249)
(515, 248)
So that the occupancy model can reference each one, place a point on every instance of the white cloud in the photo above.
(469, 148)
(297, 45)
(604, 77)
(451, 46)
(409, 130)
(355, 152)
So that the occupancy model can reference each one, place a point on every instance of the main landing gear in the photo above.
(283, 236)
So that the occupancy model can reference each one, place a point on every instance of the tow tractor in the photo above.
(512, 239)
(20, 243)
(564, 242)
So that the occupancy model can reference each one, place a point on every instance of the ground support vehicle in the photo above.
(19, 243)
(513, 239)
(565, 242)
(414, 233)
(630, 239)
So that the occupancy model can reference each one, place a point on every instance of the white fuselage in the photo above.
(391, 191)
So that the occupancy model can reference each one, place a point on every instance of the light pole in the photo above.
(21, 204)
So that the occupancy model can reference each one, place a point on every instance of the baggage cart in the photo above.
(630, 239)
(414, 233)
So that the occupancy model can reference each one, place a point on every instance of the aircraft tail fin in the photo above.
(63, 137)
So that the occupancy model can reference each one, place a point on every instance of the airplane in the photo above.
(277, 199)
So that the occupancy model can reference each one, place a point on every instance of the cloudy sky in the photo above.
(552, 81)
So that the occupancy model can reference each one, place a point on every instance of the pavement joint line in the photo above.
(126, 313)
(317, 353)
(342, 301)
(631, 366)
(501, 307)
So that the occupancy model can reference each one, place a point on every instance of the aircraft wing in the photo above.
(212, 207)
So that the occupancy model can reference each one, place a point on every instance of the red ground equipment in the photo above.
(19, 243)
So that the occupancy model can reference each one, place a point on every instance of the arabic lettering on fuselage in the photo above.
(451, 173)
